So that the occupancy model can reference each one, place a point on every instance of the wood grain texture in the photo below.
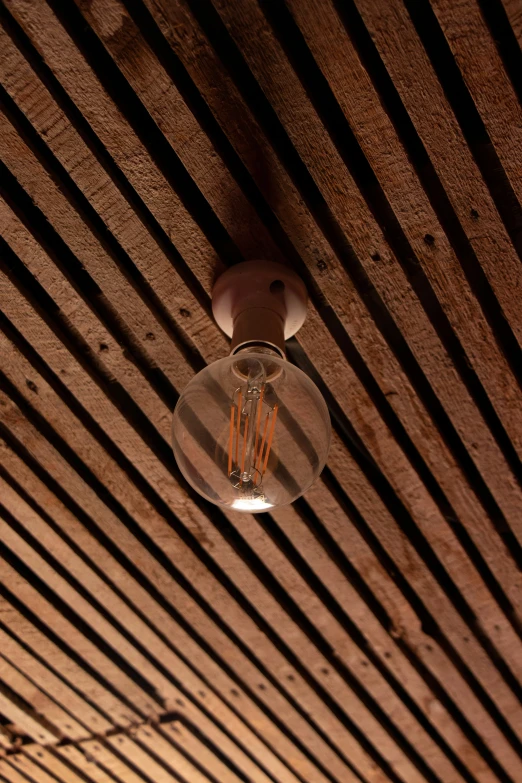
(372, 631)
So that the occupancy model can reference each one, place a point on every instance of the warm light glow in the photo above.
(251, 504)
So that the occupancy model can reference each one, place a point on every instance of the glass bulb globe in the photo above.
(251, 432)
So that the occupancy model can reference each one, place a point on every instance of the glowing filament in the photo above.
(255, 449)
(258, 425)
(269, 444)
(245, 436)
(238, 425)
(231, 440)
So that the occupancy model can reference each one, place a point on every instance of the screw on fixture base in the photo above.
(259, 302)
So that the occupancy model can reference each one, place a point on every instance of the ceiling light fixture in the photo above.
(251, 431)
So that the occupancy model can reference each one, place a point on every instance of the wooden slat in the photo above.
(349, 654)
(62, 722)
(102, 755)
(47, 681)
(84, 763)
(12, 772)
(26, 722)
(148, 745)
(181, 735)
(31, 770)
(52, 763)
(484, 74)
(196, 573)
(514, 14)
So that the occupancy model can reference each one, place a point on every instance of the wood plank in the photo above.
(138, 383)
(52, 763)
(381, 642)
(329, 574)
(514, 14)
(180, 734)
(76, 675)
(116, 135)
(126, 23)
(213, 81)
(467, 503)
(9, 772)
(34, 525)
(31, 770)
(111, 567)
(40, 606)
(147, 513)
(78, 604)
(364, 420)
(480, 64)
(147, 739)
(58, 718)
(29, 724)
(101, 754)
(187, 138)
(186, 315)
(55, 687)
(84, 763)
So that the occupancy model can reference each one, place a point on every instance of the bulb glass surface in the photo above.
(251, 432)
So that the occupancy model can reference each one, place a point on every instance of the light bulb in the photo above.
(251, 432)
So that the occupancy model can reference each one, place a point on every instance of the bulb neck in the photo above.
(258, 347)
(259, 328)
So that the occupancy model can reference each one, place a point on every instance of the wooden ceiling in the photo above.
(371, 632)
